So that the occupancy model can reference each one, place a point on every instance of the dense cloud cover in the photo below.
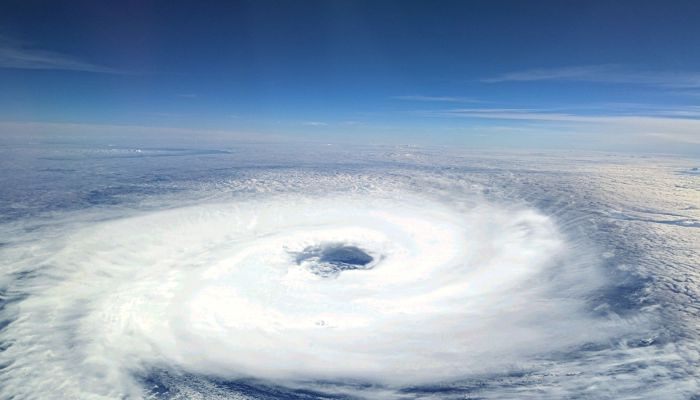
(381, 272)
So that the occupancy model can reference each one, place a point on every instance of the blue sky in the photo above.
(518, 74)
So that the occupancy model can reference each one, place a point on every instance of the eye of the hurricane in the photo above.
(329, 260)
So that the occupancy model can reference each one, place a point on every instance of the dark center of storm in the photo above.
(329, 260)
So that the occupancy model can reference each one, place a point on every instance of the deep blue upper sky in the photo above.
(569, 74)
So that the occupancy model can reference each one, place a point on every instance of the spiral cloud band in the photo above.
(219, 289)
(379, 291)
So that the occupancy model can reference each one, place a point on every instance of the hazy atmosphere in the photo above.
(545, 74)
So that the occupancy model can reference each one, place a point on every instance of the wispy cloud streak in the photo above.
(315, 123)
(445, 99)
(604, 74)
(682, 126)
(16, 55)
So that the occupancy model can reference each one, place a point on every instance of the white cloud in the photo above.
(680, 127)
(16, 55)
(315, 123)
(446, 99)
(604, 74)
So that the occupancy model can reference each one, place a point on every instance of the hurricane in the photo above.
(387, 274)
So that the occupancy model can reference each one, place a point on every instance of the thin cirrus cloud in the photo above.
(315, 123)
(603, 74)
(680, 126)
(445, 99)
(16, 55)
